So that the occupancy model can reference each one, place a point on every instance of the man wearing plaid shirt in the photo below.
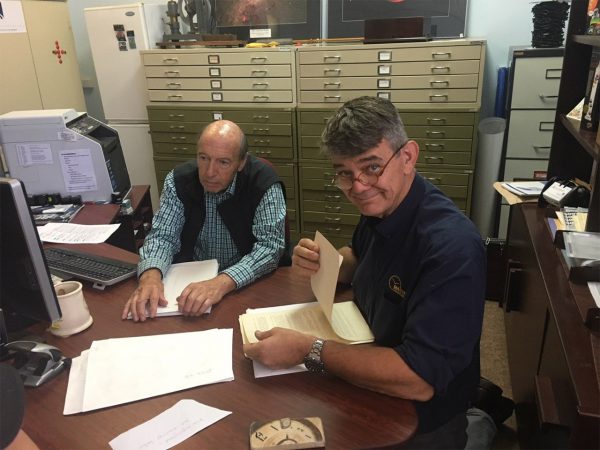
(227, 206)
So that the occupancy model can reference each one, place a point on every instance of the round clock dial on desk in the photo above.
(287, 433)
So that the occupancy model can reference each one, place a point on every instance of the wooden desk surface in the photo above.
(352, 417)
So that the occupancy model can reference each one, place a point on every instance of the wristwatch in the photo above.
(313, 361)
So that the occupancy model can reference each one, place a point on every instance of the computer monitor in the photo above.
(26, 290)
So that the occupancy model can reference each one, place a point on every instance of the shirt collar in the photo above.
(403, 216)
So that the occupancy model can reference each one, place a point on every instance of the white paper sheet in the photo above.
(173, 426)
(128, 369)
(72, 233)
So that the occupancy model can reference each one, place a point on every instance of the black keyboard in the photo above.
(98, 269)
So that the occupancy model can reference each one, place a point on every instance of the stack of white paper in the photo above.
(117, 371)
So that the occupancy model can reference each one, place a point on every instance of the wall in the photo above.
(502, 25)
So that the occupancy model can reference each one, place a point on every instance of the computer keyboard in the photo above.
(98, 269)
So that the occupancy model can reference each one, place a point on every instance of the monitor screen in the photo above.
(26, 291)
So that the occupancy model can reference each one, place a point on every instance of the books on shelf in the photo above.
(524, 188)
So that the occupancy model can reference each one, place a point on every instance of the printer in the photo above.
(63, 151)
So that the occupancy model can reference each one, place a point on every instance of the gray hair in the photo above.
(361, 124)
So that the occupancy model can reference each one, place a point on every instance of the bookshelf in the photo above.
(574, 152)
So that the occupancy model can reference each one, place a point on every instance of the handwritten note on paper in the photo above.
(71, 233)
(175, 425)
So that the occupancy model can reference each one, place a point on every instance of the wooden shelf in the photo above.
(587, 39)
(587, 139)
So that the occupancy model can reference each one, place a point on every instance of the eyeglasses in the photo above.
(367, 177)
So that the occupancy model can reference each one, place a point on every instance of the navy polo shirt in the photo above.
(420, 283)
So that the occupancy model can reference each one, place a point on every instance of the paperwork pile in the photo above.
(117, 371)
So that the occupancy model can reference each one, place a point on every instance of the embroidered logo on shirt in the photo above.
(395, 285)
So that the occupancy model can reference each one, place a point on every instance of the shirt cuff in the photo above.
(241, 275)
(152, 263)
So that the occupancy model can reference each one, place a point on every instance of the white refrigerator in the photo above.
(117, 34)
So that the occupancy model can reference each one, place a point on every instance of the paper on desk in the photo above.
(175, 425)
(178, 277)
(324, 282)
(71, 233)
(128, 369)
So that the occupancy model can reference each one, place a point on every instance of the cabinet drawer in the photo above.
(536, 82)
(315, 117)
(431, 146)
(178, 127)
(324, 174)
(450, 158)
(177, 150)
(216, 58)
(207, 72)
(221, 96)
(329, 207)
(439, 132)
(530, 134)
(342, 56)
(437, 118)
(269, 141)
(226, 84)
(329, 229)
(183, 138)
(446, 178)
(523, 169)
(392, 82)
(269, 153)
(390, 69)
(210, 114)
(270, 129)
(395, 96)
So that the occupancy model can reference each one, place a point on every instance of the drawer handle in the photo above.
(434, 158)
(434, 180)
(176, 127)
(439, 84)
(335, 71)
(549, 76)
(259, 72)
(546, 126)
(334, 84)
(178, 138)
(333, 230)
(261, 130)
(441, 55)
(436, 133)
(437, 69)
(326, 119)
(184, 149)
(260, 84)
(434, 146)
(439, 97)
(174, 96)
(335, 98)
(332, 58)
(176, 116)
(332, 219)
(330, 197)
(258, 58)
(263, 152)
(175, 85)
(545, 97)
(260, 117)
(332, 208)
(537, 148)
(436, 120)
(262, 141)
(171, 72)
(327, 176)
(261, 98)
(170, 59)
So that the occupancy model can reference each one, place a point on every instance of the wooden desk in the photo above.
(352, 417)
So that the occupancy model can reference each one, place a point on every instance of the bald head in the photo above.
(224, 133)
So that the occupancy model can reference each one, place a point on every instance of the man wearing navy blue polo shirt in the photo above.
(417, 268)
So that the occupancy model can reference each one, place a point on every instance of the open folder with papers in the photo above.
(342, 322)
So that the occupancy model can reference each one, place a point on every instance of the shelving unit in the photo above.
(574, 152)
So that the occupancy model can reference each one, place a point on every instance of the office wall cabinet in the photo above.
(533, 93)
(39, 67)
(282, 99)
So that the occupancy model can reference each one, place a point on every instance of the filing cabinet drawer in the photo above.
(176, 150)
(523, 169)
(221, 96)
(446, 178)
(219, 57)
(178, 138)
(227, 84)
(329, 207)
(395, 96)
(404, 82)
(389, 69)
(437, 118)
(155, 113)
(439, 132)
(272, 152)
(206, 72)
(530, 134)
(536, 82)
(178, 127)
(448, 158)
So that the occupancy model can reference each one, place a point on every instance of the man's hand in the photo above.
(150, 292)
(279, 348)
(196, 298)
(306, 257)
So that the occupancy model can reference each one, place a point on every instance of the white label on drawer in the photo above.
(215, 84)
(217, 96)
(213, 59)
(385, 56)
(217, 116)
(385, 95)
(384, 70)
(214, 72)
(260, 33)
(384, 83)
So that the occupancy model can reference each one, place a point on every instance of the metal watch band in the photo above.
(313, 361)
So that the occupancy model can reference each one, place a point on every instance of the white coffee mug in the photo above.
(75, 313)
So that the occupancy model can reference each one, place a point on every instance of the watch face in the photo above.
(287, 433)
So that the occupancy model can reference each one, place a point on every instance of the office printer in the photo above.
(63, 151)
